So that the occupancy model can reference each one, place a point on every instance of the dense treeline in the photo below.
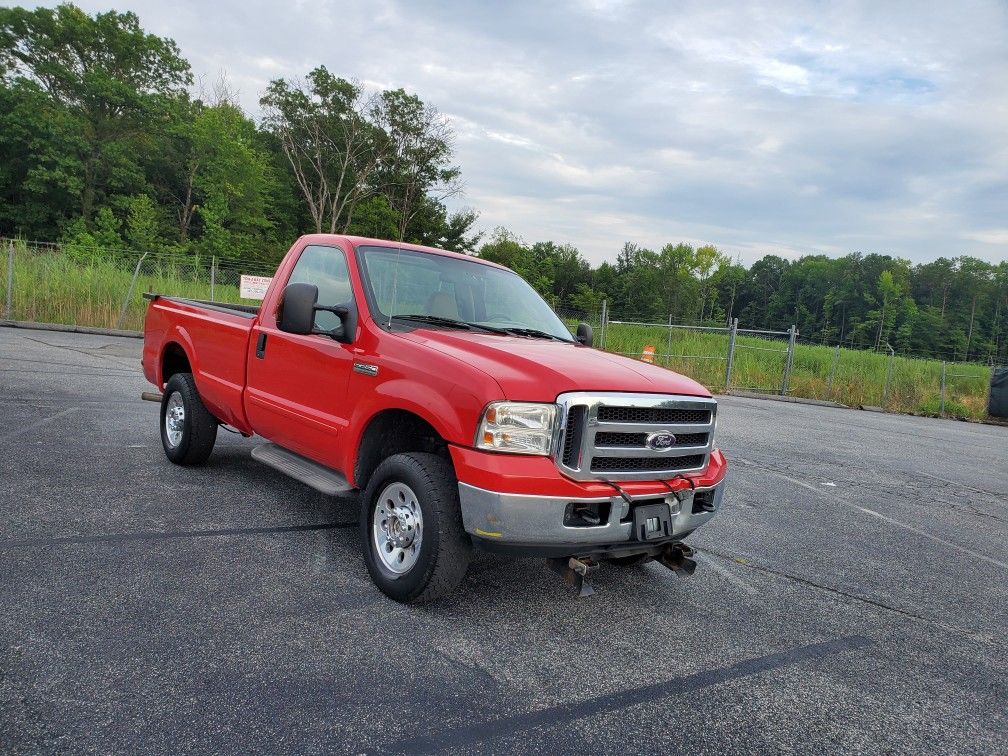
(102, 141)
(106, 143)
(949, 308)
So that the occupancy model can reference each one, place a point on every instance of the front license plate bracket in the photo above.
(652, 522)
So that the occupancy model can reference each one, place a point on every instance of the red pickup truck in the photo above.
(445, 393)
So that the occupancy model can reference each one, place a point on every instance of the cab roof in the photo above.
(365, 241)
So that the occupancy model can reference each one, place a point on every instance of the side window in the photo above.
(325, 267)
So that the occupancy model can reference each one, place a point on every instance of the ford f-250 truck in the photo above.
(445, 393)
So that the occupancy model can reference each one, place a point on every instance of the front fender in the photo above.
(453, 414)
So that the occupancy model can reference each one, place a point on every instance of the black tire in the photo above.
(445, 549)
(199, 427)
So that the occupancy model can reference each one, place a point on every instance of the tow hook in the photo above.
(575, 572)
(678, 558)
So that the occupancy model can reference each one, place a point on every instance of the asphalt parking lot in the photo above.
(852, 596)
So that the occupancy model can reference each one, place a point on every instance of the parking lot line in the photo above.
(612, 702)
(834, 494)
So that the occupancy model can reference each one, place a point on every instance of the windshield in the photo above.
(404, 282)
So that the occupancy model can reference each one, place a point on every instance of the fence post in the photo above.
(668, 347)
(731, 354)
(832, 372)
(605, 317)
(10, 281)
(941, 411)
(786, 382)
(213, 276)
(129, 294)
(888, 375)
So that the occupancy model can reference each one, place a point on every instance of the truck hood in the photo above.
(539, 369)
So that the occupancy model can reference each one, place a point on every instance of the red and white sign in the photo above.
(254, 287)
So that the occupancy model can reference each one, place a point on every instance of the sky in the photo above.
(789, 128)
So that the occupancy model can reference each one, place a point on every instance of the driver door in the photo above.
(296, 393)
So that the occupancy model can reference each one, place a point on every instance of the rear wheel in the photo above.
(188, 430)
(415, 547)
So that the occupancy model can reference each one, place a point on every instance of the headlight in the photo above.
(518, 427)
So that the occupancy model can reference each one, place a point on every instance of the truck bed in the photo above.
(247, 310)
(216, 337)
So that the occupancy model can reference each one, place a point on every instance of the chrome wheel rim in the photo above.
(397, 528)
(174, 419)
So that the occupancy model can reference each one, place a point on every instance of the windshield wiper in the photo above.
(535, 333)
(469, 326)
(450, 323)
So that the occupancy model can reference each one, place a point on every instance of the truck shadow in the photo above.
(491, 579)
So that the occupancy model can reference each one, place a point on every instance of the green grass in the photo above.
(51, 287)
(54, 288)
(859, 377)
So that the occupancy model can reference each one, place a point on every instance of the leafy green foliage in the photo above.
(104, 75)
(103, 145)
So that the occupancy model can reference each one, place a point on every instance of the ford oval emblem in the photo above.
(661, 441)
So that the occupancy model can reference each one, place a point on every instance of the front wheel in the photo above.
(415, 547)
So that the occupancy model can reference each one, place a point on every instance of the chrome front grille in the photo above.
(608, 439)
(607, 435)
(653, 415)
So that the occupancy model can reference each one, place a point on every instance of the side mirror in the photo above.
(298, 308)
(584, 334)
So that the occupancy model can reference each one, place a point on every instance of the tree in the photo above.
(375, 217)
(141, 224)
(417, 154)
(675, 263)
(727, 282)
(106, 73)
(706, 260)
(765, 277)
(102, 240)
(434, 226)
(888, 290)
(40, 166)
(563, 266)
(233, 178)
(328, 131)
(504, 248)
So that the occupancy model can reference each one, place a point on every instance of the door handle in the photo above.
(261, 346)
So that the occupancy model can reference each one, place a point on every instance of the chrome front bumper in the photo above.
(524, 520)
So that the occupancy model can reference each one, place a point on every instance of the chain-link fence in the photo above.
(572, 316)
(78, 285)
(730, 358)
(75, 285)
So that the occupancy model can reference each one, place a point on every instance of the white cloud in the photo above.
(786, 128)
(997, 236)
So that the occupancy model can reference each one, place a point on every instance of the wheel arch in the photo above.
(174, 360)
(391, 431)
(177, 356)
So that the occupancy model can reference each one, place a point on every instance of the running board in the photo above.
(310, 473)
